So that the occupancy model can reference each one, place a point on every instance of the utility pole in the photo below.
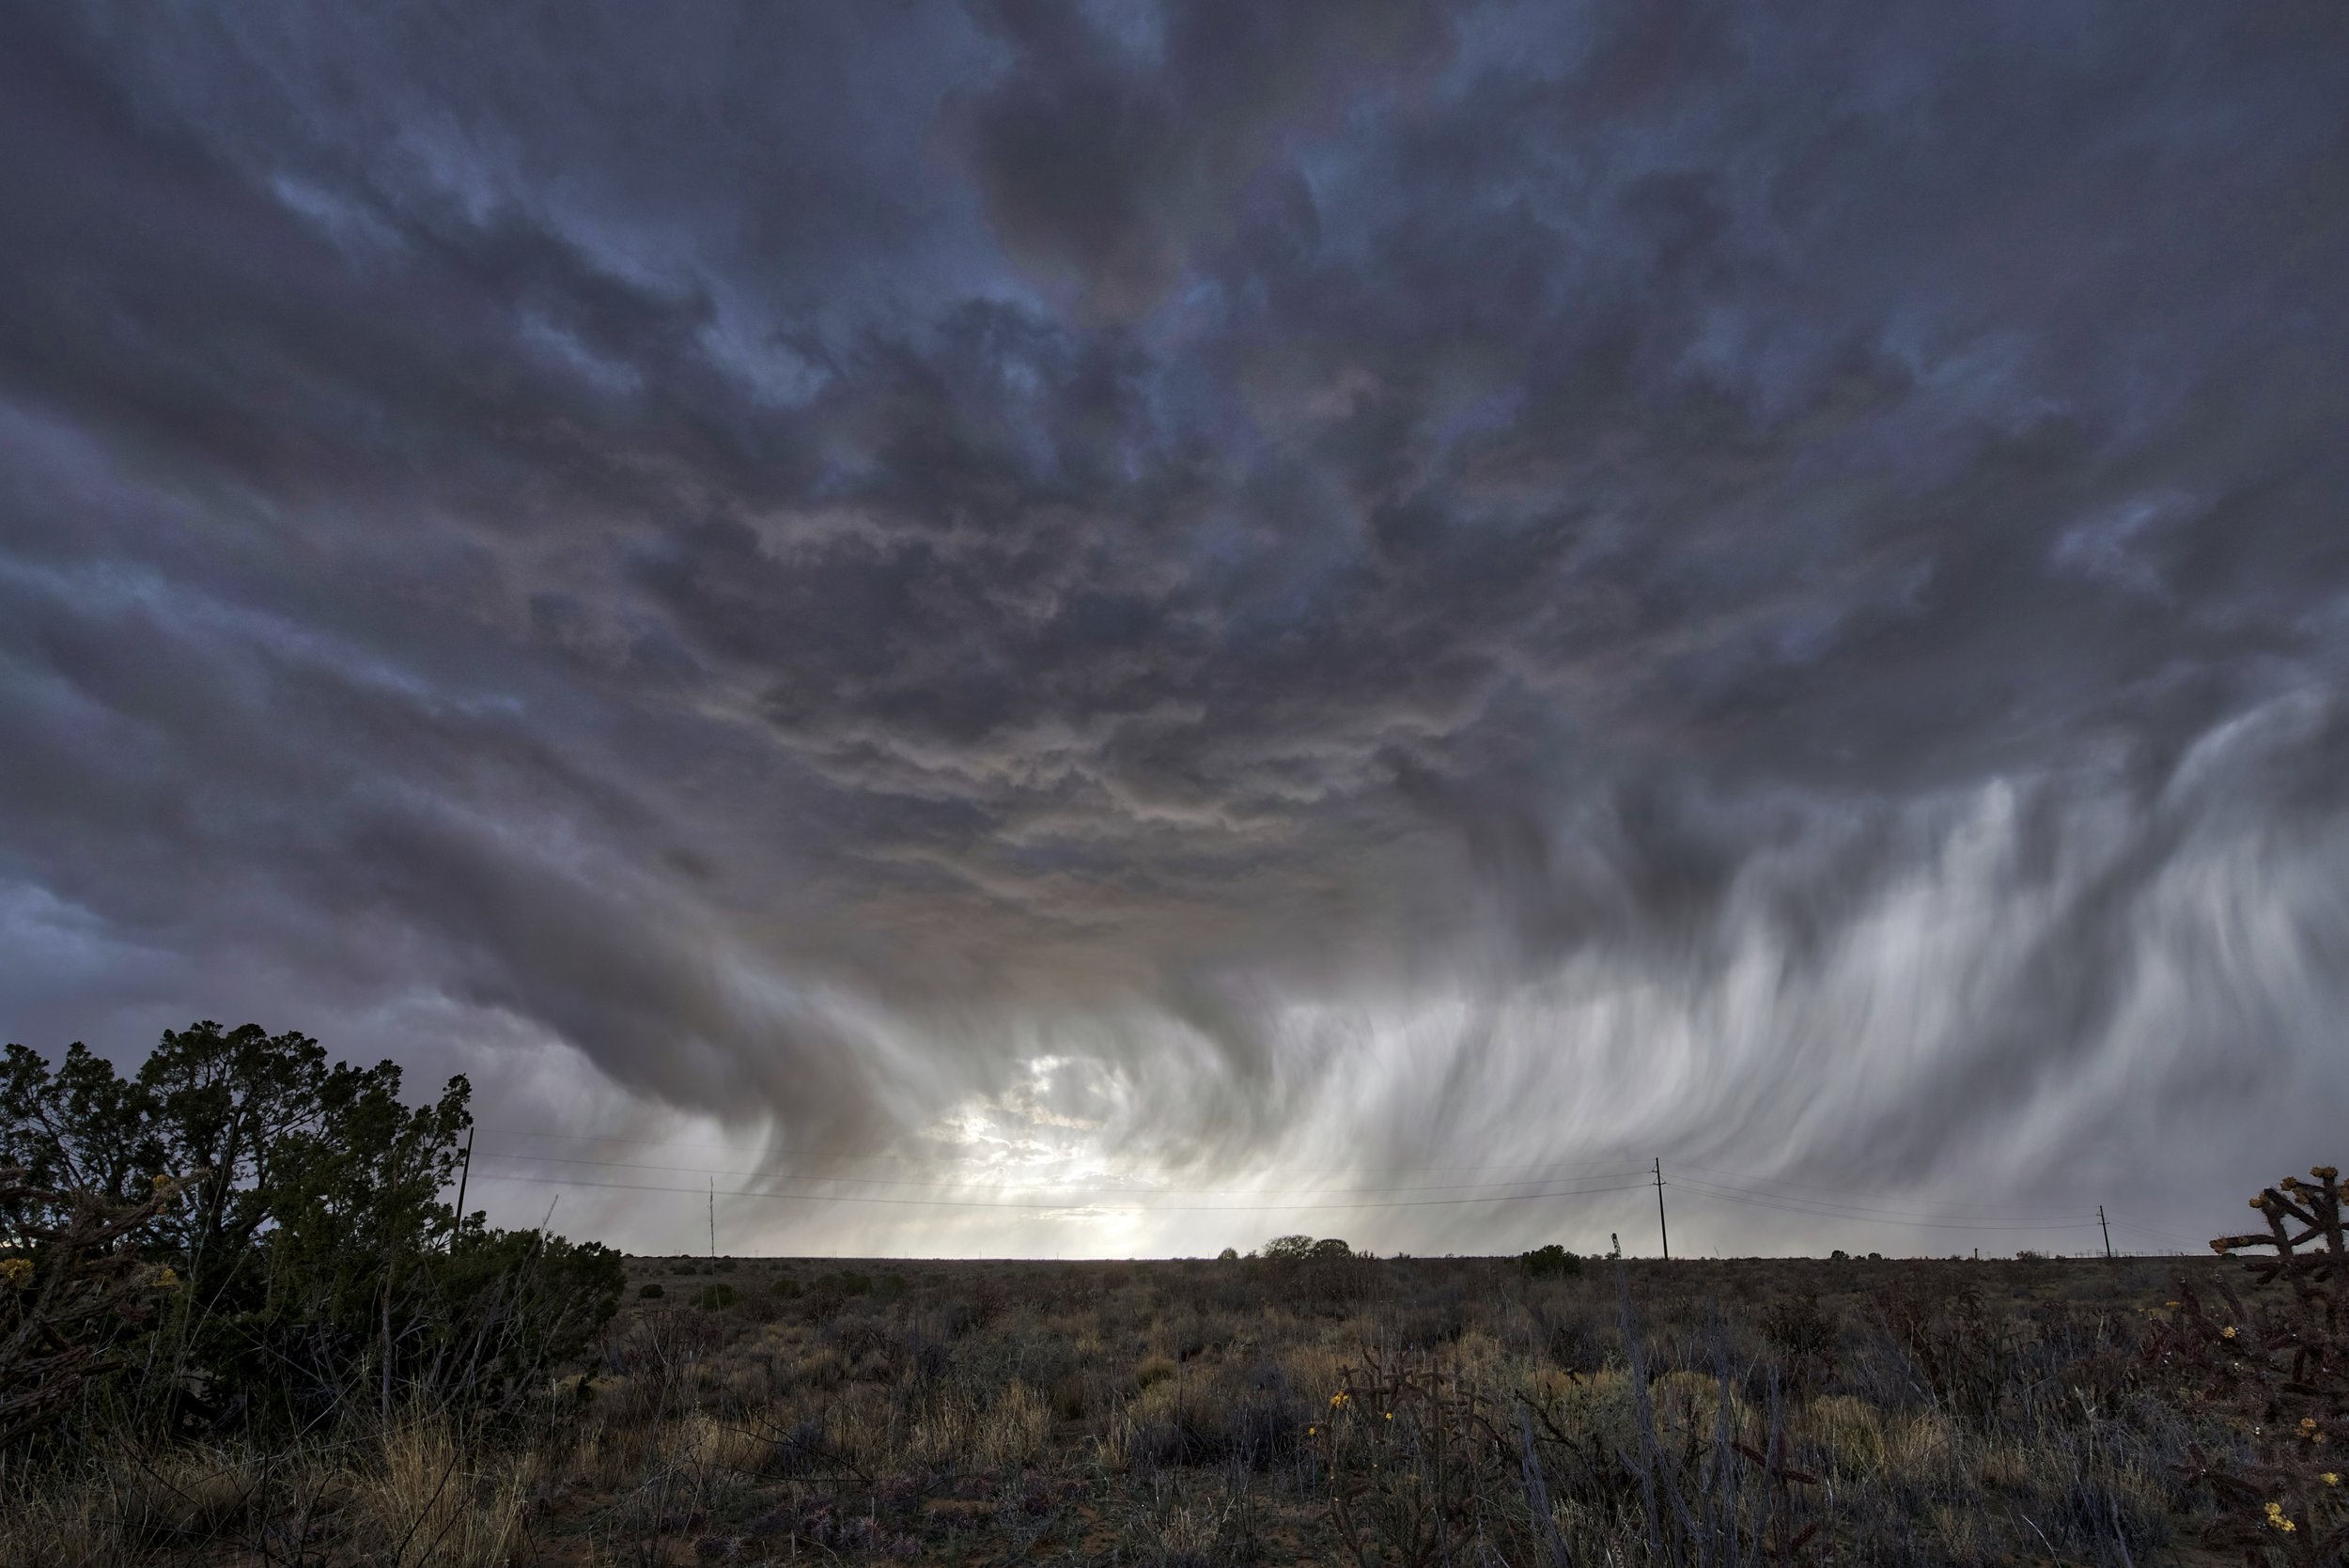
(2108, 1229)
(713, 1219)
(462, 1171)
(1660, 1230)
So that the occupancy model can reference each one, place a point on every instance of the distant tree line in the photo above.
(1550, 1262)
(243, 1237)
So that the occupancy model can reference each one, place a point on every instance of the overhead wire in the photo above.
(1549, 1169)
(2167, 1240)
(1772, 1201)
(1032, 1187)
(1554, 1182)
(1065, 1205)
(1748, 1183)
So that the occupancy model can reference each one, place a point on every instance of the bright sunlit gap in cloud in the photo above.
(1767, 1071)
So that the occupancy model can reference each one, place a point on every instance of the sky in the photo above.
(1097, 630)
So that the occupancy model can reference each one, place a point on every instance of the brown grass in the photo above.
(1183, 1413)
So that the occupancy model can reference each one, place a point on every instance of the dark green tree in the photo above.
(317, 1266)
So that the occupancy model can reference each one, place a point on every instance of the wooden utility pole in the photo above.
(713, 1219)
(1661, 1231)
(2108, 1229)
(463, 1171)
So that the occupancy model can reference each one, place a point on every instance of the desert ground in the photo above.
(1346, 1411)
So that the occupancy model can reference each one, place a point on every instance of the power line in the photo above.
(1886, 1216)
(2162, 1237)
(1745, 1182)
(1768, 1201)
(1550, 1170)
(1151, 1208)
(1861, 1211)
(1028, 1186)
(1553, 1186)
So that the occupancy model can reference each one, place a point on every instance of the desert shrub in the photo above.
(711, 1299)
(1071, 1396)
(1807, 1338)
(1798, 1326)
(1552, 1261)
(1314, 1275)
(1567, 1338)
(786, 1288)
(651, 1292)
(1256, 1424)
(1958, 1349)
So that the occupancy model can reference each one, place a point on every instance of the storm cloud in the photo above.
(1116, 611)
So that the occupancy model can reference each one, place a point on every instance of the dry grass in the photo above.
(429, 1502)
(1183, 1413)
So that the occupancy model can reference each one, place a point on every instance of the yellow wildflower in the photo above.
(2330, 1478)
(2308, 1423)
(1338, 1401)
(15, 1271)
(2228, 1332)
(166, 1278)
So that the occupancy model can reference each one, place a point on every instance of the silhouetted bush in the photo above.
(1552, 1261)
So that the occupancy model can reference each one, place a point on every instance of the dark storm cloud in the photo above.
(1254, 585)
(1119, 145)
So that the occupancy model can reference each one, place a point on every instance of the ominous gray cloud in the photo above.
(1231, 599)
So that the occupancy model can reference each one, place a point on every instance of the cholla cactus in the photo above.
(2276, 1373)
(71, 1285)
(2292, 1202)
